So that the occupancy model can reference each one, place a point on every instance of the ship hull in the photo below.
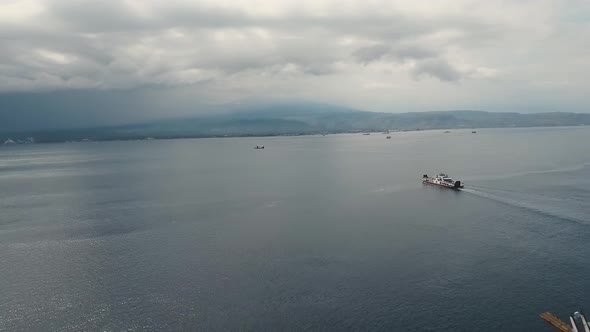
(442, 185)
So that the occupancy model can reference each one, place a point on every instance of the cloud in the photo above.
(371, 53)
(222, 37)
(423, 60)
(414, 52)
(437, 68)
(313, 49)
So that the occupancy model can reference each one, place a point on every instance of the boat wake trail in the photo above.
(549, 206)
(567, 169)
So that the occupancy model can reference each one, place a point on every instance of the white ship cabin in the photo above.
(445, 178)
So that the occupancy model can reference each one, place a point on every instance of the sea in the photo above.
(314, 233)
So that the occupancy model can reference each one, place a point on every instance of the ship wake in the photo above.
(555, 207)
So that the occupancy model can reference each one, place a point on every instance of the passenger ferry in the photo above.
(442, 180)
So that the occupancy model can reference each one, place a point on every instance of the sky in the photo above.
(169, 57)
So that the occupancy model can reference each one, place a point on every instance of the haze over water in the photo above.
(312, 232)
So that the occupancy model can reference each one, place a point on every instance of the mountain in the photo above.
(299, 119)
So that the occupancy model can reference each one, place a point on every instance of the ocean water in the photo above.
(311, 233)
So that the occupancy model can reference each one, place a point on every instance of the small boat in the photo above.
(447, 132)
(474, 132)
(259, 147)
(388, 137)
(367, 134)
(442, 180)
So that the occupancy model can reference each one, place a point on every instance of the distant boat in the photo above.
(474, 132)
(259, 147)
(446, 132)
(366, 134)
(388, 137)
(442, 180)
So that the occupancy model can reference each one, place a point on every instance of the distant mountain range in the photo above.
(299, 120)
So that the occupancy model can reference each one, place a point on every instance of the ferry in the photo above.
(442, 180)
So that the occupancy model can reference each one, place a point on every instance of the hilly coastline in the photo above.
(297, 120)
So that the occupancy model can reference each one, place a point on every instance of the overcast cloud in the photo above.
(393, 56)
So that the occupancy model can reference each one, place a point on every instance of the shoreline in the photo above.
(355, 132)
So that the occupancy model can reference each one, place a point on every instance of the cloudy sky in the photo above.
(391, 56)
